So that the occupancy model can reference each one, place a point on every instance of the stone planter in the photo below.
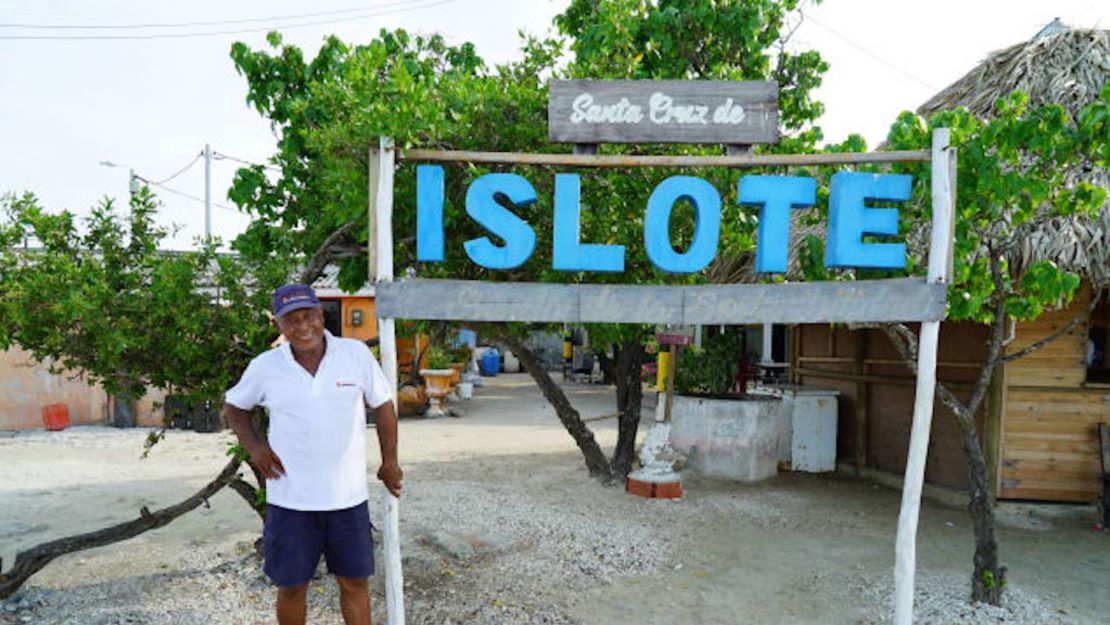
(457, 368)
(437, 383)
(731, 438)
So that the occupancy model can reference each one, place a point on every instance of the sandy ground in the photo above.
(502, 525)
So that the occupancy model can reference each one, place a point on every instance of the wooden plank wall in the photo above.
(1050, 425)
(888, 393)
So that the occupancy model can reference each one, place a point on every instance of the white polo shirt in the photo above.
(317, 423)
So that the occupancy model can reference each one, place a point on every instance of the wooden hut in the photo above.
(1039, 426)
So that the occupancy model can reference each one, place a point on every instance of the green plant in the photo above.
(460, 354)
(710, 369)
(438, 358)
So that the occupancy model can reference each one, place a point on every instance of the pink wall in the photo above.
(25, 387)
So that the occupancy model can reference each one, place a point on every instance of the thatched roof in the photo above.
(1062, 66)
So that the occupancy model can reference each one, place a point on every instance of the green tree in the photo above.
(1014, 176)
(422, 92)
(104, 301)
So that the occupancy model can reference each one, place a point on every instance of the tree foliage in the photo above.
(420, 91)
(105, 301)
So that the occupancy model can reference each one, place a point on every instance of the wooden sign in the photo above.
(674, 335)
(662, 111)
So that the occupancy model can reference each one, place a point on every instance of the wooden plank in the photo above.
(1078, 457)
(1104, 445)
(901, 299)
(1069, 409)
(625, 160)
(662, 111)
(1086, 448)
(992, 427)
(1050, 376)
(1104, 458)
(1084, 395)
(1051, 493)
(1048, 430)
(815, 302)
(859, 368)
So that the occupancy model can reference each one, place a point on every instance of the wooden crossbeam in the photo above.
(871, 301)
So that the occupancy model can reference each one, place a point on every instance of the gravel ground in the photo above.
(500, 525)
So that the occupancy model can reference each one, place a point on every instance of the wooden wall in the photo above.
(1050, 426)
(865, 368)
(369, 327)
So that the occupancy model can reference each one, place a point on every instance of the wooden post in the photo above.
(381, 253)
(992, 428)
(372, 216)
(861, 401)
(670, 383)
(1104, 444)
(940, 250)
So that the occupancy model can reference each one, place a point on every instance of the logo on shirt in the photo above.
(343, 383)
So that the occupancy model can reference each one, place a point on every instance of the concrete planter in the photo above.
(735, 439)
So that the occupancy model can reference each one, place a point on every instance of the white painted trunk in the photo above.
(940, 271)
(381, 238)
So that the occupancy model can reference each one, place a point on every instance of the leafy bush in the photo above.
(710, 369)
(438, 358)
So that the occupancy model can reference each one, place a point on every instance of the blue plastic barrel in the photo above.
(490, 364)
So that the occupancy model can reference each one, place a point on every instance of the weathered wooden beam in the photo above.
(871, 301)
(618, 160)
(993, 428)
(860, 368)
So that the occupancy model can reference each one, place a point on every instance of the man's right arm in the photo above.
(262, 457)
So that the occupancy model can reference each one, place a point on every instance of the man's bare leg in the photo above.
(354, 600)
(290, 604)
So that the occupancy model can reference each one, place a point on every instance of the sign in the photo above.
(674, 334)
(662, 111)
(851, 218)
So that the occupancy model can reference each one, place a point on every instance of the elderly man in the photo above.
(315, 387)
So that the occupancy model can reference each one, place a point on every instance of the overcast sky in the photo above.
(152, 103)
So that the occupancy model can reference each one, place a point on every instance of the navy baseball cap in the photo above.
(291, 297)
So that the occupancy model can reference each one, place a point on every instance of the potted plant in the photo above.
(722, 432)
(439, 377)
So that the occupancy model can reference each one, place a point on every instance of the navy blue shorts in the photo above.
(294, 540)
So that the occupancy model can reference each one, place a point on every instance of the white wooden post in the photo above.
(940, 251)
(381, 258)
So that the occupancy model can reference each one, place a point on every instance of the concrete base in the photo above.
(731, 438)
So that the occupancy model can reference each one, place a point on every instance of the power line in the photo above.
(185, 195)
(869, 53)
(180, 171)
(209, 23)
(221, 156)
(414, 7)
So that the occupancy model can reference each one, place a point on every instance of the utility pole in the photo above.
(133, 183)
(207, 191)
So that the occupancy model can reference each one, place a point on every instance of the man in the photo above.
(314, 386)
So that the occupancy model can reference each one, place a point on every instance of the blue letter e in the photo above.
(850, 219)
(482, 205)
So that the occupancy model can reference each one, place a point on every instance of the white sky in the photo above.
(151, 104)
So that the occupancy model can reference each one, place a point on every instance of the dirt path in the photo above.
(502, 525)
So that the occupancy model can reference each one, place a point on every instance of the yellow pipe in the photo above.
(663, 364)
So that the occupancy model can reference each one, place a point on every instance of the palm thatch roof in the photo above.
(1062, 66)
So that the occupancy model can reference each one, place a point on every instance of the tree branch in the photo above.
(1078, 319)
(248, 493)
(31, 561)
(323, 255)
